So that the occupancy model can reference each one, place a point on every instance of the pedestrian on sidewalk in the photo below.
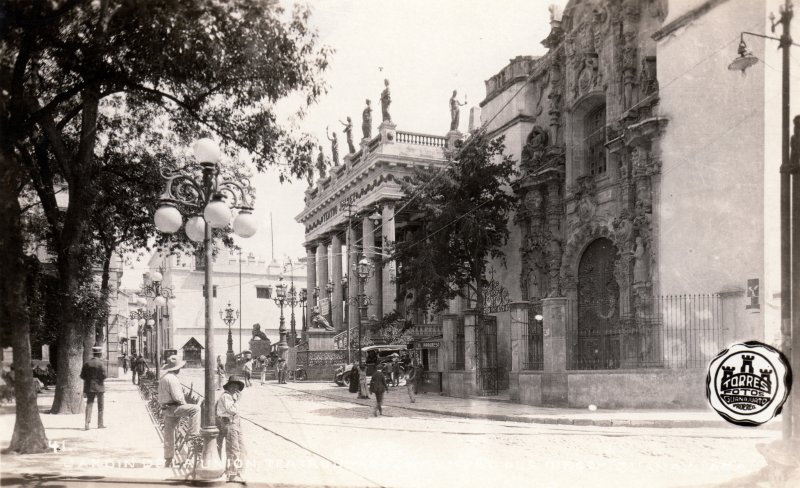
(140, 368)
(396, 372)
(93, 375)
(283, 368)
(247, 369)
(220, 373)
(174, 407)
(363, 390)
(125, 363)
(353, 387)
(420, 379)
(230, 430)
(411, 381)
(262, 361)
(378, 387)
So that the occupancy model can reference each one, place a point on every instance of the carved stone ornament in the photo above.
(534, 150)
(622, 226)
(622, 271)
(587, 202)
(533, 201)
(640, 268)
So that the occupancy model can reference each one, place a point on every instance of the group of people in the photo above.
(136, 364)
(281, 370)
(386, 375)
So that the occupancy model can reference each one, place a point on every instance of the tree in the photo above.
(463, 213)
(200, 65)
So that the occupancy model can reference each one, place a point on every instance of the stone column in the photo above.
(389, 300)
(322, 269)
(311, 282)
(352, 282)
(336, 272)
(554, 332)
(372, 288)
(471, 318)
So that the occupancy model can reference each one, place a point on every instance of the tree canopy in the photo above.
(462, 216)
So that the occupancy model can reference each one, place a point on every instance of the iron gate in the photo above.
(488, 371)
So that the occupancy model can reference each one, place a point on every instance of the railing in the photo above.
(425, 330)
(532, 347)
(662, 332)
(420, 139)
(318, 359)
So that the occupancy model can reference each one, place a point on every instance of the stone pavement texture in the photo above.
(506, 411)
(119, 452)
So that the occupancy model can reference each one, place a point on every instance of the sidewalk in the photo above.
(490, 408)
(129, 449)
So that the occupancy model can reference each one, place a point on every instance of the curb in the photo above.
(583, 422)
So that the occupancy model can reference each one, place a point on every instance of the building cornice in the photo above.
(686, 19)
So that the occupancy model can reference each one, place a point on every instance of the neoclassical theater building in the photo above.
(642, 244)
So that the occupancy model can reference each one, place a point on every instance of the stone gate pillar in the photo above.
(519, 320)
(471, 318)
(554, 332)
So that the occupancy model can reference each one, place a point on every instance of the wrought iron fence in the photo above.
(676, 331)
(532, 347)
(309, 359)
(457, 363)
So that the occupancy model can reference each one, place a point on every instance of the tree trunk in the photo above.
(69, 387)
(29, 436)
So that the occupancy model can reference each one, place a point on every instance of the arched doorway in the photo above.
(598, 338)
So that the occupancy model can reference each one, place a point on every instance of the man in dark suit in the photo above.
(378, 386)
(93, 375)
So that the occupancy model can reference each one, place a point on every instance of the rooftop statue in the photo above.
(455, 112)
(334, 147)
(321, 163)
(366, 121)
(348, 132)
(386, 100)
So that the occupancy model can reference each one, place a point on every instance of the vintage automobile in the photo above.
(373, 356)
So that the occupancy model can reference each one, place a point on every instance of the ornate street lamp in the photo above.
(229, 316)
(280, 301)
(303, 300)
(140, 316)
(205, 196)
(151, 288)
(364, 270)
(292, 300)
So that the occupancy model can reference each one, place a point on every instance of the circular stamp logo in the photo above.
(748, 383)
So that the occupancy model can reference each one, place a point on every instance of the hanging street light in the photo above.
(206, 194)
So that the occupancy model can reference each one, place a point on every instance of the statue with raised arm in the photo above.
(386, 100)
(321, 163)
(334, 147)
(348, 132)
(455, 112)
(366, 121)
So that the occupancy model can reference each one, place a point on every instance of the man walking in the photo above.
(93, 375)
(139, 368)
(378, 387)
(125, 363)
(247, 369)
(174, 407)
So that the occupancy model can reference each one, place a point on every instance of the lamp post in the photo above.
(280, 301)
(292, 300)
(346, 299)
(303, 302)
(364, 270)
(141, 316)
(329, 290)
(151, 288)
(205, 192)
(229, 316)
(788, 171)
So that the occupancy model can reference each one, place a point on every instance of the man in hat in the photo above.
(174, 406)
(93, 375)
(227, 419)
(283, 368)
(378, 387)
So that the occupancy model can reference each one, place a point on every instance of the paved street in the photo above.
(304, 438)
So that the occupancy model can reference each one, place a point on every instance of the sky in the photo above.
(425, 49)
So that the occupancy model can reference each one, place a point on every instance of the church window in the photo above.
(595, 123)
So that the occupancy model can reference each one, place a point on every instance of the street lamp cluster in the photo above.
(205, 199)
(142, 318)
(151, 288)
(229, 316)
(363, 270)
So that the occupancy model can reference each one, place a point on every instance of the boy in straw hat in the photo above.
(227, 419)
(174, 406)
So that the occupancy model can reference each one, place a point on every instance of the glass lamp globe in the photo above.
(167, 219)
(150, 322)
(217, 213)
(363, 268)
(244, 225)
(196, 228)
(206, 151)
(160, 301)
(142, 322)
(142, 301)
(156, 276)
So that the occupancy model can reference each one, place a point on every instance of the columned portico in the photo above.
(336, 272)
(322, 271)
